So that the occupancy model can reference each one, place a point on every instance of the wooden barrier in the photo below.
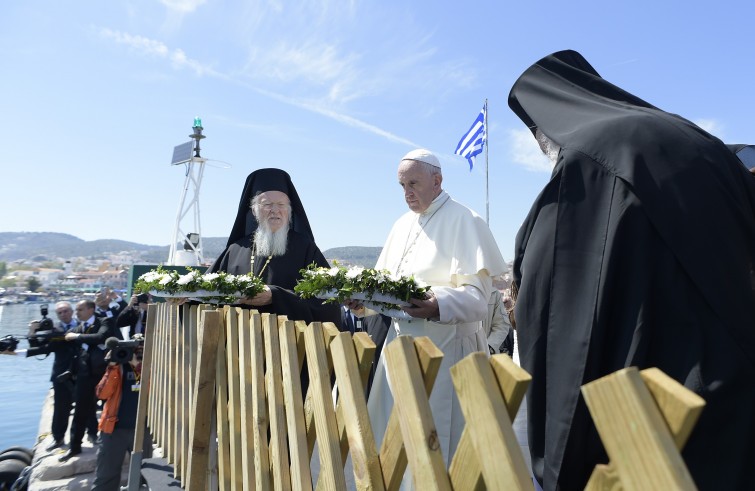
(226, 406)
(644, 419)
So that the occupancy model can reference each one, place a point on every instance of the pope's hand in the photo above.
(423, 308)
(263, 298)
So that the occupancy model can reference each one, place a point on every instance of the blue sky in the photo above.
(95, 95)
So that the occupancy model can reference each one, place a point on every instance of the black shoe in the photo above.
(55, 444)
(68, 455)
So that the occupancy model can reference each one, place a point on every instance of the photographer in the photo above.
(108, 303)
(90, 336)
(45, 338)
(119, 388)
(135, 315)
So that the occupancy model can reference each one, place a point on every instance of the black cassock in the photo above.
(638, 252)
(281, 275)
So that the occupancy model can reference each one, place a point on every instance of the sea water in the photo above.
(24, 382)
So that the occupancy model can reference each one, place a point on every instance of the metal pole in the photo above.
(487, 145)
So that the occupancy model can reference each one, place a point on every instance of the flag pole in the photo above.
(487, 200)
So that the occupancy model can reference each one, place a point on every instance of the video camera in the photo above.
(8, 343)
(122, 351)
(44, 331)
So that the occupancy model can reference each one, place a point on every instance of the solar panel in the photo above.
(182, 153)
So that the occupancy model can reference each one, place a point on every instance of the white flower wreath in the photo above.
(167, 283)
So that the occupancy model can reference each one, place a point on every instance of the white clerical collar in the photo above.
(437, 203)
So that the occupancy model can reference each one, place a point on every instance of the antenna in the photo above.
(191, 255)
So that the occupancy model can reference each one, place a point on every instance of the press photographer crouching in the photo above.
(119, 388)
(46, 337)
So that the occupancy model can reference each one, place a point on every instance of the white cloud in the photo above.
(179, 60)
(526, 152)
(322, 49)
(156, 48)
(183, 6)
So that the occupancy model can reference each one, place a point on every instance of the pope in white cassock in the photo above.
(449, 247)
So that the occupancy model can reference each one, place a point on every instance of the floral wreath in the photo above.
(162, 282)
(377, 286)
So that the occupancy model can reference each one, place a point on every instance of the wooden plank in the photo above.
(331, 466)
(680, 408)
(392, 452)
(489, 425)
(154, 375)
(365, 352)
(160, 378)
(169, 384)
(279, 466)
(181, 407)
(301, 476)
(247, 424)
(356, 420)
(234, 401)
(222, 425)
(604, 478)
(210, 327)
(177, 395)
(512, 382)
(634, 433)
(259, 407)
(141, 405)
(415, 418)
(329, 332)
(196, 315)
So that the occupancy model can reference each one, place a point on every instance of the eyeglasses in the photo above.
(270, 206)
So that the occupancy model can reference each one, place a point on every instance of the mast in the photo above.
(487, 187)
(191, 254)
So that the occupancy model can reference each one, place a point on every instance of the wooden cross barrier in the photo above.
(490, 392)
(644, 419)
(227, 408)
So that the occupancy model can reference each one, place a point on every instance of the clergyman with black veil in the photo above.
(638, 252)
(272, 237)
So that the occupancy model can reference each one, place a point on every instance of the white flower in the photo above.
(243, 279)
(354, 272)
(165, 279)
(185, 279)
(333, 271)
(211, 276)
(395, 277)
(150, 276)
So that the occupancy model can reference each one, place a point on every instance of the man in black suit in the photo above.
(62, 385)
(90, 364)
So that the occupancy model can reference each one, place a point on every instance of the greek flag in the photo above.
(473, 140)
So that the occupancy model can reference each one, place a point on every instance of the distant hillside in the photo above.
(354, 255)
(49, 245)
(43, 246)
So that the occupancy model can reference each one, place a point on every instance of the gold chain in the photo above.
(254, 249)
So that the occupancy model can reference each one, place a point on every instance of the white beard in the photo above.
(269, 243)
(549, 147)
